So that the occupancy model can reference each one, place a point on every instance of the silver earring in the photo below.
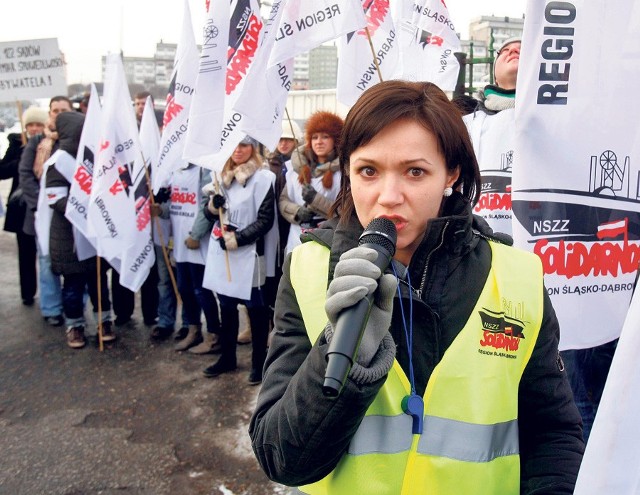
(447, 192)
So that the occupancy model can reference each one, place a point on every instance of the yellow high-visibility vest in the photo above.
(469, 444)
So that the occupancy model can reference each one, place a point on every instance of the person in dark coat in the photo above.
(35, 153)
(78, 275)
(33, 121)
(277, 160)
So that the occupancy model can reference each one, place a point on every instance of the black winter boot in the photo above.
(259, 318)
(228, 342)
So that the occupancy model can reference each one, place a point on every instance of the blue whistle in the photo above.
(413, 405)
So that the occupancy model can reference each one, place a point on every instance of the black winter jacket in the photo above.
(62, 249)
(299, 436)
(29, 182)
(10, 160)
(9, 170)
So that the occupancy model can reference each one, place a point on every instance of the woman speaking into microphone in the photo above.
(456, 386)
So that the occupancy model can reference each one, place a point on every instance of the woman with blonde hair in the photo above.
(246, 232)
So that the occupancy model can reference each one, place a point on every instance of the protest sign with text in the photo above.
(31, 69)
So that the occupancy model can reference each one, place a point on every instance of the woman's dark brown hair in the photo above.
(422, 102)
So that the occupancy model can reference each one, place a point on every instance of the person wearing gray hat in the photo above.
(492, 130)
(243, 238)
(506, 64)
(249, 140)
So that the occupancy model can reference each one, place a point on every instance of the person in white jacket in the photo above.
(244, 239)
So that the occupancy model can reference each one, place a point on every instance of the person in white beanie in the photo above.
(33, 122)
(38, 149)
(492, 130)
(34, 119)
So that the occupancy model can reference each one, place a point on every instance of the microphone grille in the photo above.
(380, 231)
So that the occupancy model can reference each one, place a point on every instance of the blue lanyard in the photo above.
(412, 404)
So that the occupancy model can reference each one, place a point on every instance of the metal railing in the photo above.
(467, 62)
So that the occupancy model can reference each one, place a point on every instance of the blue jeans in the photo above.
(196, 298)
(50, 288)
(166, 295)
(73, 290)
(587, 370)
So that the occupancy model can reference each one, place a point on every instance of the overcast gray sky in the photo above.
(87, 30)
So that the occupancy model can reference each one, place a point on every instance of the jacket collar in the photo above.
(242, 173)
(453, 233)
(301, 157)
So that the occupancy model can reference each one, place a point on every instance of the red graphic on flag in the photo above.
(376, 11)
(171, 111)
(242, 57)
(610, 230)
(84, 180)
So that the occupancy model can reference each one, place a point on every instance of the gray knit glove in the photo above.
(355, 277)
(304, 214)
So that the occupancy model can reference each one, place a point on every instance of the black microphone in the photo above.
(380, 235)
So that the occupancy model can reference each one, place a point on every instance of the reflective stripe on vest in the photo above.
(470, 439)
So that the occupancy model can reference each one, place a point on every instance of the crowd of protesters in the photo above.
(251, 216)
(244, 218)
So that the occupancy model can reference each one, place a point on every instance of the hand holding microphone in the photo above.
(359, 303)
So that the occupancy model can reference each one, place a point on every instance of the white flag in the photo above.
(139, 258)
(80, 190)
(264, 95)
(427, 41)
(244, 38)
(67, 165)
(576, 182)
(111, 207)
(433, 16)
(611, 459)
(207, 107)
(179, 98)
(306, 25)
(357, 70)
(43, 214)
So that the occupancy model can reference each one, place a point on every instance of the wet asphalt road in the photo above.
(137, 418)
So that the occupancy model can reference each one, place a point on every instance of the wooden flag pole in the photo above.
(165, 254)
(220, 212)
(99, 278)
(373, 52)
(23, 131)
